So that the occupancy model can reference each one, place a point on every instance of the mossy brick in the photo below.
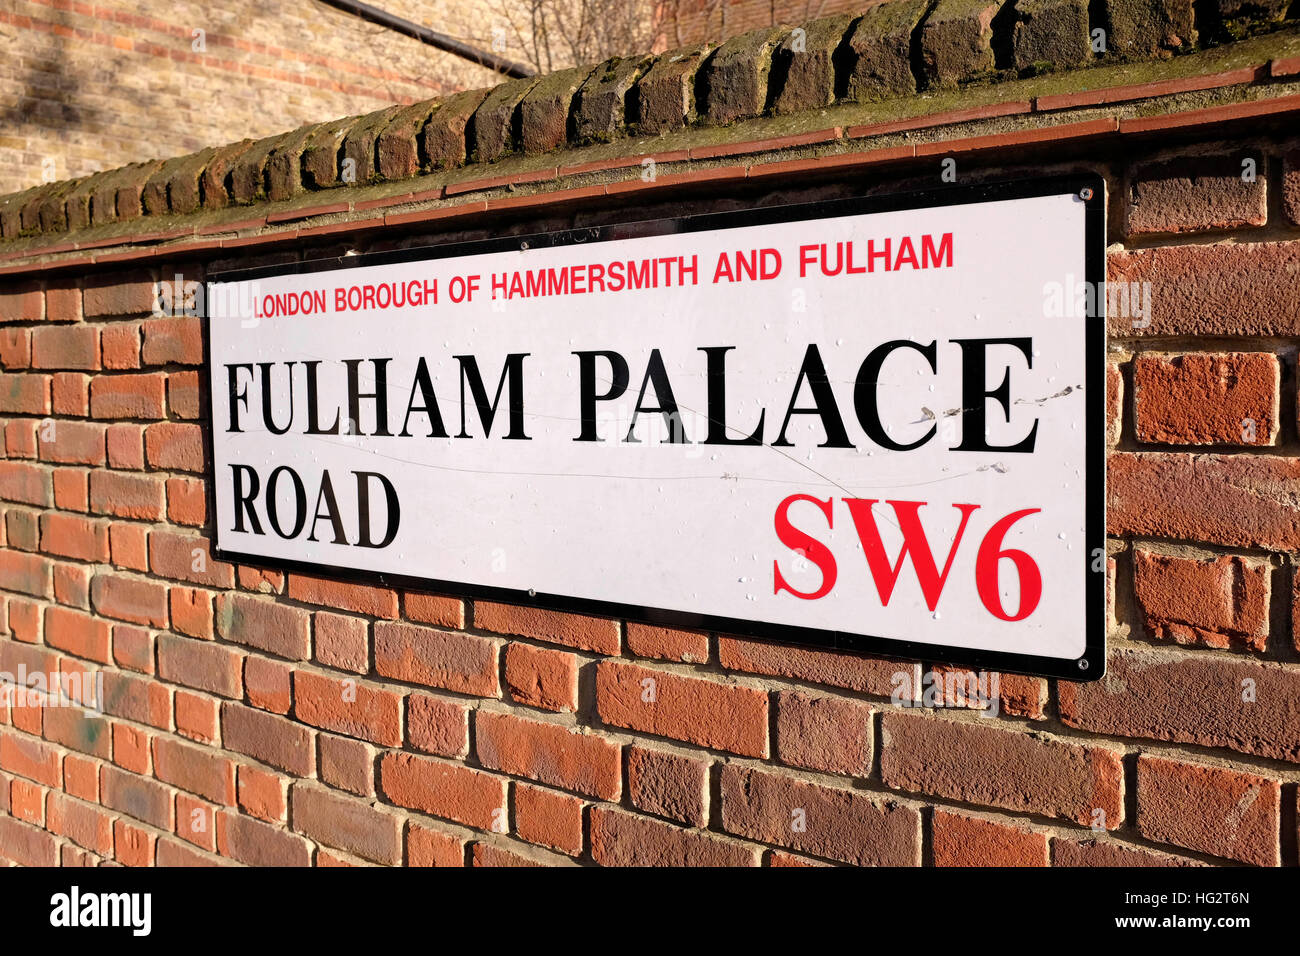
(283, 175)
(320, 154)
(359, 145)
(544, 110)
(805, 63)
(1147, 28)
(600, 110)
(77, 203)
(397, 148)
(130, 188)
(53, 214)
(880, 47)
(666, 91)
(957, 41)
(736, 76)
(11, 208)
(444, 140)
(30, 214)
(1052, 32)
(248, 173)
(213, 181)
(1238, 19)
(493, 126)
(174, 186)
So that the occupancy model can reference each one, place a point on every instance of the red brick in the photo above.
(426, 846)
(1196, 193)
(260, 580)
(837, 824)
(434, 609)
(186, 557)
(1108, 853)
(1215, 398)
(869, 675)
(27, 845)
(126, 496)
(120, 345)
(70, 394)
(128, 396)
(136, 600)
(191, 610)
(33, 759)
(831, 734)
(196, 822)
(346, 823)
(195, 769)
(667, 643)
(66, 347)
(1291, 186)
(268, 684)
(668, 785)
(137, 698)
(342, 642)
(1216, 601)
(1212, 810)
(263, 794)
(183, 395)
(420, 655)
(173, 341)
(573, 630)
(196, 716)
(29, 484)
(86, 826)
(962, 840)
(125, 446)
(73, 537)
(347, 764)
(26, 573)
(358, 598)
(137, 797)
(25, 394)
(983, 764)
(20, 437)
(446, 790)
(542, 678)
(27, 803)
(259, 844)
(128, 293)
(259, 622)
(174, 446)
(1229, 289)
(1219, 499)
(73, 443)
(133, 648)
(625, 839)
(486, 854)
(15, 348)
(722, 716)
(273, 740)
(348, 707)
(78, 730)
(437, 726)
(201, 665)
(77, 633)
(81, 777)
(187, 502)
(129, 546)
(1189, 697)
(549, 818)
(549, 753)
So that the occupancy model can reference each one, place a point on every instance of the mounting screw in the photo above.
(1085, 194)
(532, 593)
(523, 247)
(1083, 665)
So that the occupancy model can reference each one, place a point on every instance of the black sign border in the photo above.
(1090, 189)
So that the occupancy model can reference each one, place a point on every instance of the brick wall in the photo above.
(263, 718)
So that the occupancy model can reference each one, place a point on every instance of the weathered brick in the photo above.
(666, 91)
(831, 734)
(421, 655)
(1050, 34)
(988, 765)
(736, 76)
(1189, 697)
(1214, 601)
(837, 824)
(273, 740)
(447, 790)
(347, 823)
(573, 630)
(1146, 28)
(542, 678)
(668, 785)
(1197, 193)
(258, 622)
(957, 41)
(548, 818)
(1213, 810)
(1217, 398)
(549, 753)
(619, 838)
(348, 707)
(723, 716)
(963, 840)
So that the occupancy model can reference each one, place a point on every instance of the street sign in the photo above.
(875, 425)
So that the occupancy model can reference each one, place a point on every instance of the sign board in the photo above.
(866, 424)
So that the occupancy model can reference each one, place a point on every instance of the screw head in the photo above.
(1085, 193)
(1083, 665)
